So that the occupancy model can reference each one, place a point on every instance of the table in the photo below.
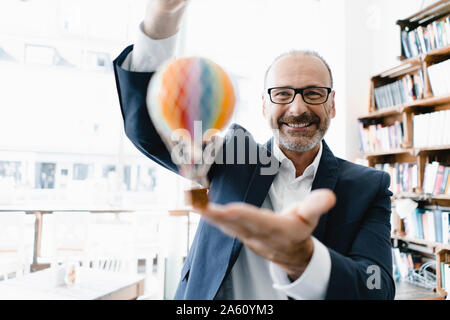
(95, 284)
(38, 211)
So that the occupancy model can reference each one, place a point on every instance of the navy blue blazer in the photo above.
(356, 231)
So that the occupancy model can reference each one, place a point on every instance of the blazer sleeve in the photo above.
(366, 272)
(132, 90)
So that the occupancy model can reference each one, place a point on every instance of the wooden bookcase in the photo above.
(425, 102)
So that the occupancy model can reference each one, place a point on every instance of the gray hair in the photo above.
(299, 52)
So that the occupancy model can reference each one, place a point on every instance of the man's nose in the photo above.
(298, 105)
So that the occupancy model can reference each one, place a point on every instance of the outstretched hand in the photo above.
(285, 238)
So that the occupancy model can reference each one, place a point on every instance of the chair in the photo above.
(71, 236)
(111, 246)
(147, 246)
(14, 261)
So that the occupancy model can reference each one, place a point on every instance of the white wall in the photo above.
(245, 36)
(372, 46)
(358, 38)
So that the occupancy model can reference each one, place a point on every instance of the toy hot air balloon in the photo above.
(190, 100)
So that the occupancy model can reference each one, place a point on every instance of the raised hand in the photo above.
(168, 6)
(163, 17)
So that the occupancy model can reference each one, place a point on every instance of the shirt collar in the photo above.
(286, 162)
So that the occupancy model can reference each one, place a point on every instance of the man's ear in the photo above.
(263, 100)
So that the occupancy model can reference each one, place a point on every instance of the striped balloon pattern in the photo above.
(187, 90)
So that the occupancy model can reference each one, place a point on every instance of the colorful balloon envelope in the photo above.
(189, 100)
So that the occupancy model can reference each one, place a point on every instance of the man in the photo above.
(331, 245)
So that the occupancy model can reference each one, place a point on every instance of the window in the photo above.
(45, 175)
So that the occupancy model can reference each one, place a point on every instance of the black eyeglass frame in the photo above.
(300, 91)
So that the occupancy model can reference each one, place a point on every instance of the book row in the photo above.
(376, 138)
(431, 129)
(439, 79)
(445, 276)
(403, 176)
(429, 225)
(426, 38)
(436, 179)
(404, 264)
(407, 266)
(409, 88)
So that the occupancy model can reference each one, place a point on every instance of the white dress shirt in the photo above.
(253, 277)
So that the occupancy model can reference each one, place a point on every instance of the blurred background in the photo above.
(62, 143)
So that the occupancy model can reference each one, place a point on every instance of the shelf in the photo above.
(428, 102)
(435, 245)
(421, 197)
(430, 11)
(407, 291)
(431, 200)
(396, 110)
(429, 56)
(429, 149)
(404, 67)
(411, 151)
(438, 52)
(412, 64)
(388, 153)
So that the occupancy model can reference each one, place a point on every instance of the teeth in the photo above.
(298, 125)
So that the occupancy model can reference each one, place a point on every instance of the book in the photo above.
(440, 32)
(426, 125)
(445, 227)
(447, 188)
(419, 225)
(437, 214)
(430, 177)
(406, 50)
(431, 226)
(426, 232)
(447, 29)
(445, 180)
(438, 179)
(447, 276)
(426, 38)
(400, 263)
(420, 36)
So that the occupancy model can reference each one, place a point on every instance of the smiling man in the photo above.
(299, 103)
(316, 228)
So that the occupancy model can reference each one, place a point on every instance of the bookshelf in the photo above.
(406, 133)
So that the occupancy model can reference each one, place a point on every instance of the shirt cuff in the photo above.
(313, 283)
(148, 54)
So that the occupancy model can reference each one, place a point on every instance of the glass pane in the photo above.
(315, 95)
(282, 95)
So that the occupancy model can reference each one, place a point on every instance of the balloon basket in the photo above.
(197, 197)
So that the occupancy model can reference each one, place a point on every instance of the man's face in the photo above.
(298, 71)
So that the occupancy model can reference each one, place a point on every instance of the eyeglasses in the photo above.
(311, 95)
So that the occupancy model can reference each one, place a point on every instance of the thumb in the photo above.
(313, 206)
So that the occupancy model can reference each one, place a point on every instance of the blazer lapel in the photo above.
(263, 175)
(326, 177)
(258, 188)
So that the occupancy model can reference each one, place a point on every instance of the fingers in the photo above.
(241, 219)
(232, 211)
(313, 206)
